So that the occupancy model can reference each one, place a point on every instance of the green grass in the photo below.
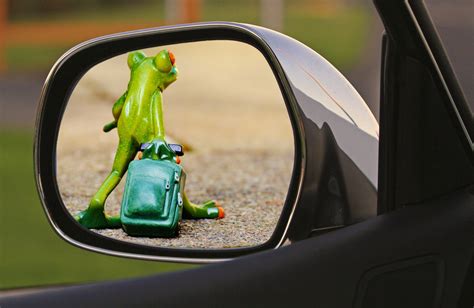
(27, 58)
(339, 37)
(31, 254)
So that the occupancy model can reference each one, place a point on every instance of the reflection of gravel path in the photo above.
(251, 187)
(241, 136)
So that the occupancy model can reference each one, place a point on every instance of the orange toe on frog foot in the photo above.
(221, 212)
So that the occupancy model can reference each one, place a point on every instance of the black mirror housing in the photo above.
(334, 180)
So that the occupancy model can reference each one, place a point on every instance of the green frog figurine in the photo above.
(138, 118)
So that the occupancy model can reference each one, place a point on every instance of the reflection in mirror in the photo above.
(219, 103)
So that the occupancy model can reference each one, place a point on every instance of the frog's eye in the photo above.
(164, 61)
(172, 58)
(134, 58)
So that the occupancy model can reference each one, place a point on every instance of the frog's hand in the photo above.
(109, 126)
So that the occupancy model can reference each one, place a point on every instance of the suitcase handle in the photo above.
(177, 148)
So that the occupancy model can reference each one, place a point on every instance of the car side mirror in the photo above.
(325, 134)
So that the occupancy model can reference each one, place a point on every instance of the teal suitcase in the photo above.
(152, 205)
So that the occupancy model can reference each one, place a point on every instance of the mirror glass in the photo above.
(198, 151)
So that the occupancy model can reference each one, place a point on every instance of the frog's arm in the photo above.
(116, 111)
(117, 108)
(157, 115)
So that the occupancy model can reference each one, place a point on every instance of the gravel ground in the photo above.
(238, 138)
(252, 202)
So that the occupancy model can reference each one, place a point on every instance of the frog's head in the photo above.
(165, 63)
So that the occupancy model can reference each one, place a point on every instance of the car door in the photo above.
(417, 252)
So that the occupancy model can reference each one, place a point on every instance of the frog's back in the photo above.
(137, 115)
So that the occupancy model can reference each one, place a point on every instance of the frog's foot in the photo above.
(96, 219)
(213, 205)
(209, 209)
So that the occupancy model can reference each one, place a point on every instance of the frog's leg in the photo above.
(209, 209)
(94, 217)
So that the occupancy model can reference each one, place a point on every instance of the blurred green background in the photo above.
(33, 34)
(337, 29)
